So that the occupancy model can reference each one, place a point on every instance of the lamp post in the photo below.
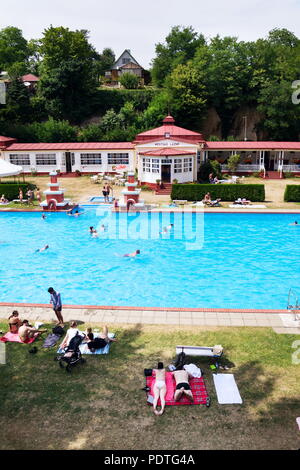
(245, 127)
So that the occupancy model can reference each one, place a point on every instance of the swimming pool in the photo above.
(247, 260)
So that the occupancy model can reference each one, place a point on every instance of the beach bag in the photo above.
(58, 330)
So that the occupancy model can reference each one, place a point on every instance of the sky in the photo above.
(138, 25)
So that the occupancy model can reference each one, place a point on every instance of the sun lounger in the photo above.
(180, 202)
(214, 351)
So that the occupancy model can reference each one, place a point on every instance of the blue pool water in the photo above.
(246, 261)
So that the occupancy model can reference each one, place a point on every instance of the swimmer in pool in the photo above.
(43, 216)
(42, 249)
(295, 223)
(103, 228)
(132, 255)
(92, 230)
(167, 229)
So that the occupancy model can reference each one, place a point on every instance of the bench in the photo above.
(215, 351)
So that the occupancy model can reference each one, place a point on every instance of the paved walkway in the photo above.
(281, 323)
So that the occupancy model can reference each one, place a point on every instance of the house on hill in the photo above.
(125, 63)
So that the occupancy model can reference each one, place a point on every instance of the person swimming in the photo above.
(167, 228)
(43, 216)
(42, 249)
(295, 223)
(132, 255)
(103, 228)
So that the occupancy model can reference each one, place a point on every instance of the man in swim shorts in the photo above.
(182, 385)
(159, 389)
(26, 332)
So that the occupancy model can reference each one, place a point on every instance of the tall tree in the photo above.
(179, 47)
(67, 73)
(13, 47)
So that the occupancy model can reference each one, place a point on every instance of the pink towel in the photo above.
(14, 338)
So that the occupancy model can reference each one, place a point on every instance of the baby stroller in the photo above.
(72, 354)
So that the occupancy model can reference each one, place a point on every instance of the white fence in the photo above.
(291, 168)
(242, 168)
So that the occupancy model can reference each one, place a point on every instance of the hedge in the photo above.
(227, 192)
(11, 190)
(292, 193)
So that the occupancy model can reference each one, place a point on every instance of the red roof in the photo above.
(169, 130)
(6, 141)
(256, 145)
(30, 78)
(167, 152)
(72, 146)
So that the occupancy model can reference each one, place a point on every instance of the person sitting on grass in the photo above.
(182, 385)
(100, 341)
(207, 199)
(3, 200)
(14, 322)
(159, 389)
(27, 332)
(72, 331)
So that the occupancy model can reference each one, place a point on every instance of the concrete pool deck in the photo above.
(281, 322)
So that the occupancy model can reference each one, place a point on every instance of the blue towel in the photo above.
(85, 350)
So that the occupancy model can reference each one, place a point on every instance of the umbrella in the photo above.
(8, 169)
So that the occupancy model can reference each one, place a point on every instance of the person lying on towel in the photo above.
(99, 342)
(182, 385)
(159, 389)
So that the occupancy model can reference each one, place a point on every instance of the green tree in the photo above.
(67, 73)
(13, 47)
(179, 47)
(188, 94)
(17, 108)
(103, 62)
(129, 80)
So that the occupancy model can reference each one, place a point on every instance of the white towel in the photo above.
(193, 370)
(226, 388)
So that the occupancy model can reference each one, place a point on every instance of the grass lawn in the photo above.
(100, 404)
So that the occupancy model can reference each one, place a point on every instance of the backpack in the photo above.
(58, 330)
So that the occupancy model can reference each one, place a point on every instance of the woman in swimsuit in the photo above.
(14, 322)
(159, 389)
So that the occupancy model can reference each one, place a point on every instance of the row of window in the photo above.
(180, 165)
(49, 159)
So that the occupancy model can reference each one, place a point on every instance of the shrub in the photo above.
(211, 166)
(288, 174)
(11, 190)
(227, 192)
(129, 80)
(292, 193)
(233, 162)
